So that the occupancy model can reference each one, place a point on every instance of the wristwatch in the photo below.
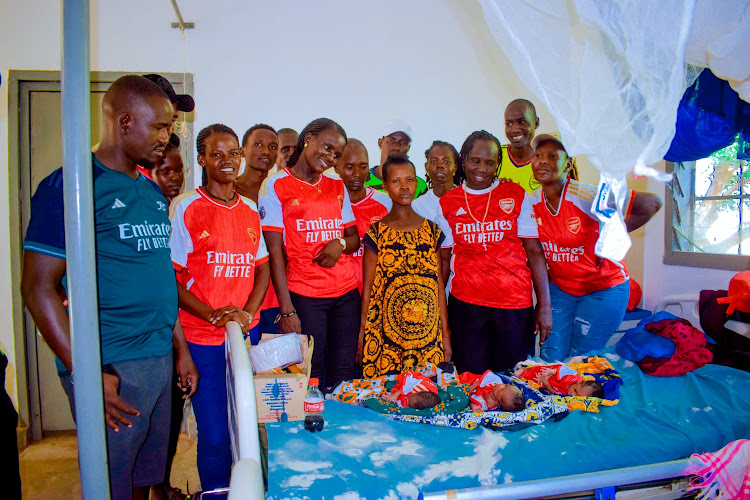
(342, 241)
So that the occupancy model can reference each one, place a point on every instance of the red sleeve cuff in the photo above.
(274, 229)
(631, 201)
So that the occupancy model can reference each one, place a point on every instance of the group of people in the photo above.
(383, 269)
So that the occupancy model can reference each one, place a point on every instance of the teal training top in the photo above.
(135, 278)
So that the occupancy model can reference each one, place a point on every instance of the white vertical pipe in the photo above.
(247, 473)
(80, 250)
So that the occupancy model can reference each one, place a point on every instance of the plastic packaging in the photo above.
(314, 406)
(278, 352)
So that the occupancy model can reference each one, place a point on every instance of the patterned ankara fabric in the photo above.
(403, 321)
(589, 368)
(454, 396)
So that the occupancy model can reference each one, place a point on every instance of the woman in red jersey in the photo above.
(220, 258)
(496, 255)
(309, 216)
(589, 294)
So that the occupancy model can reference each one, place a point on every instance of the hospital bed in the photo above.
(636, 449)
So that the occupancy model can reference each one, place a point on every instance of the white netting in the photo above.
(612, 73)
(720, 40)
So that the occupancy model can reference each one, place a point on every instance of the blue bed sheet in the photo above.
(363, 454)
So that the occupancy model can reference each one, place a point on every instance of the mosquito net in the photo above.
(612, 74)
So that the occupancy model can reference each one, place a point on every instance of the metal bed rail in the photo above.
(567, 484)
(247, 474)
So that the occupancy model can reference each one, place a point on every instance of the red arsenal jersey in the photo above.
(373, 207)
(569, 238)
(309, 215)
(489, 261)
(215, 250)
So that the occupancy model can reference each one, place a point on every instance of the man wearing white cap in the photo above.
(396, 139)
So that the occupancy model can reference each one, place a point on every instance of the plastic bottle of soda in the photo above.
(314, 404)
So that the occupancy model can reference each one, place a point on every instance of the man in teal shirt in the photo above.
(136, 284)
(396, 139)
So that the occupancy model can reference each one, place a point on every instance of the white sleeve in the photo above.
(180, 242)
(262, 249)
(419, 206)
(491, 378)
(386, 201)
(446, 229)
(347, 215)
(527, 225)
(270, 206)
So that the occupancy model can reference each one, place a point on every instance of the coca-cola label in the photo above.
(314, 406)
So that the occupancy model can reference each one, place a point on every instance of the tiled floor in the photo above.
(49, 468)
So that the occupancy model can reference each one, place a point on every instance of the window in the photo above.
(708, 212)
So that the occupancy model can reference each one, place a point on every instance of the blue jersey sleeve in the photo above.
(46, 232)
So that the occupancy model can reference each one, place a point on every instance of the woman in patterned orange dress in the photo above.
(404, 313)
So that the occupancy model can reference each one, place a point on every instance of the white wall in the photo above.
(432, 63)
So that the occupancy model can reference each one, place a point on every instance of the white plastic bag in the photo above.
(278, 352)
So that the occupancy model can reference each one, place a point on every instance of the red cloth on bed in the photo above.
(560, 382)
(691, 351)
(410, 382)
(487, 381)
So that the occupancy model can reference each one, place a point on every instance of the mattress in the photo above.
(363, 454)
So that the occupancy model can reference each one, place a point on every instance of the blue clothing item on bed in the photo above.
(658, 419)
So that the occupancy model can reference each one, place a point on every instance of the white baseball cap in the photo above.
(396, 125)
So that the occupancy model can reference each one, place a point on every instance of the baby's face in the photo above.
(581, 390)
(501, 395)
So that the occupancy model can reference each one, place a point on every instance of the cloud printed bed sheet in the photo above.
(363, 454)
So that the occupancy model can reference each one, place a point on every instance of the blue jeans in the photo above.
(267, 318)
(583, 324)
(211, 415)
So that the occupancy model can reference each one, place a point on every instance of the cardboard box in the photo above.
(280, 397)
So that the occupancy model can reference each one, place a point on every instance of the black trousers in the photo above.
(486, 338)
(334, 324)
(10, 476)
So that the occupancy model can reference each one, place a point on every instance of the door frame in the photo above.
(27, 383)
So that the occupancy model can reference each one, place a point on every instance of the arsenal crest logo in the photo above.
(251, 233)
(507, 205)
(341, 201)
(574, 225)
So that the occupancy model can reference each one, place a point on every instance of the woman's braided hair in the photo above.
(200, 142)
(315, 127)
